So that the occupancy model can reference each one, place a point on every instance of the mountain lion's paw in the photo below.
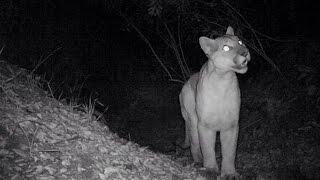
(233, 176)
(208, 173)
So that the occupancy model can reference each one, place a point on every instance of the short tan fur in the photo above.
(210, 102)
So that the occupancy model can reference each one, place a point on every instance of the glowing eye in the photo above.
(226, 48)
(240, 42)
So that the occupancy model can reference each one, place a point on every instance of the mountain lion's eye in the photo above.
(240, 42)
(226, 48)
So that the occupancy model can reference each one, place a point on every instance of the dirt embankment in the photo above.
(43, 138)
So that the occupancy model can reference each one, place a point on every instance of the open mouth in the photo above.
(244, 63)
(240, 66)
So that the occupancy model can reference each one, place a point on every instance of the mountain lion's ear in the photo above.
(208, 45)
(230, 31)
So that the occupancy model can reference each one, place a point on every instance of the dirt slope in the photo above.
(42, 138)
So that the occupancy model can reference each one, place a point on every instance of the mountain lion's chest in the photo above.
(218, 104)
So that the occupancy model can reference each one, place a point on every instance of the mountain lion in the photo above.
(210, 102)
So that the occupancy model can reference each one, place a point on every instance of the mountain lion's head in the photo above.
(227, 52)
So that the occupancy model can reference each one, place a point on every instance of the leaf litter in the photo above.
(42, 138)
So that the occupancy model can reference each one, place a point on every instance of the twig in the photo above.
(2, 49)
(26, 135)
(32, 141)
(11, 78)
(177, 80)
(255, 35)
(34, 69)
(50, 150)
(150, 46)
(37, 122)
(177, 74)
(175, 49)
(185, 65)
(60, 96)
(251, 124)
(102, 113)
(66, 140)
(82, 84)
(49, 87)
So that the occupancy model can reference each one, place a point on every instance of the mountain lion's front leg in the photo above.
(228, 140)
(207, 138)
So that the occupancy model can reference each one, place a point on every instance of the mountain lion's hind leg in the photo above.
(195, 144)
(191, 135)
(188, 111)
(187, 138)
(229, 145)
